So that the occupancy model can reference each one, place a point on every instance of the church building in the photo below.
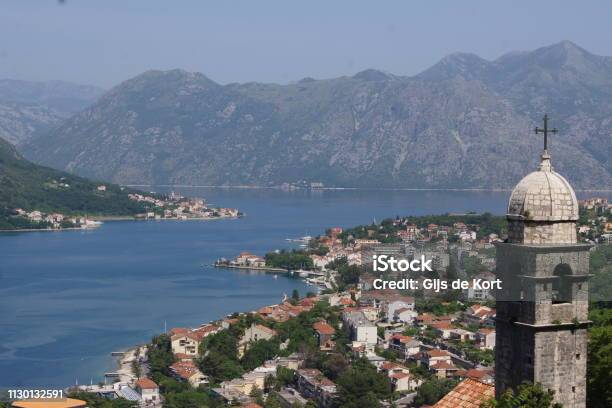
(542, 309)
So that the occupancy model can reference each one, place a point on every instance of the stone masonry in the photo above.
(542, 309)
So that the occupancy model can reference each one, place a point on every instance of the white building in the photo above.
(362, 330)
(148, 390)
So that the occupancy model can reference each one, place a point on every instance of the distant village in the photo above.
(296, 353)
(171, 207)
(177, 207)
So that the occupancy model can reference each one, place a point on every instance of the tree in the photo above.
(362, 386)
(432, 390)
(257, 395)
(258, 352)
(528, 395)
(219, 367)
(295, 295)
(188, 399)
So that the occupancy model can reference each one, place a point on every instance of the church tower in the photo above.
(542, 309)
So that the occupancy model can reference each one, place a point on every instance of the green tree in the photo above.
(295, 295)
(257, 395)
(219, 367)
(258, 352)
(362, 386)
(432, 390)
(189, 399)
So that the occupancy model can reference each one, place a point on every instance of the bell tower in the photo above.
(542, 309)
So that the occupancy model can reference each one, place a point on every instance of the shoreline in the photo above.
(255, 268)
(246, 187)
(112, 219)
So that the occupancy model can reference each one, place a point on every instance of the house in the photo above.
(101, 188)
(462, 335)
(252, 334)
(443, 369)
(479, 315)
(324, 333)
(485, 338)
(404, 315)
(406, 345)
(467, 394)
(257, 332)
(35, 216)
(400, 376)
(320, 261)
(187, 371)
(185, 342)
(238, 389)
(249, 259)
(442, 329)
(429, 357)
(426, 319)
(484, 376)
(386, 301)
(361, 329)
(289, 398)
(206, 330)
(148, 390)
(311, 383)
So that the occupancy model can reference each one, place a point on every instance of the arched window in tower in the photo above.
(562, 285)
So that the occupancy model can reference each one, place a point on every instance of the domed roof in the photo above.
(543, 196)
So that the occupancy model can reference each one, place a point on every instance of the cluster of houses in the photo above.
(55, 220)
(395, 314)
(598, 227)
(247, 260)
(430, 242)
(375, 320)
(179, 207)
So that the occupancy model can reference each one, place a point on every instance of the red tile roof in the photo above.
(323, 328)
(399, 376)
(184, 369)
(467, 394)
(178, 330)
(437, 353)
(443, 365)
(146, 384)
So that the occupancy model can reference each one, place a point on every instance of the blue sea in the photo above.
(68, 299)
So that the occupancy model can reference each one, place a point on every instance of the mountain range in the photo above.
(28, 108)
(466, 122)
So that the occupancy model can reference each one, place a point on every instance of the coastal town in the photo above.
(155, 207)
(345, 343)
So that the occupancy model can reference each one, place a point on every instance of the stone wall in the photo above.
(541, 232)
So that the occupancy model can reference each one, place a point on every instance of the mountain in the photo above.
(464, 123)
(32, 187)
(30, 108)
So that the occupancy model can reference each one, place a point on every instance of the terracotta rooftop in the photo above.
(467, 394)
(146, 384)
(437, 353)
(443, 365)
(323, 328)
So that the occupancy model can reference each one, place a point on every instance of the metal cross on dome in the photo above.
(546, 131)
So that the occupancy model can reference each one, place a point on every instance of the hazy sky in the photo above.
(104, 42)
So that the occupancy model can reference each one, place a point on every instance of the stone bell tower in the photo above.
(542, 309)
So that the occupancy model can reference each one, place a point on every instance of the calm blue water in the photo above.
(67, 299)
